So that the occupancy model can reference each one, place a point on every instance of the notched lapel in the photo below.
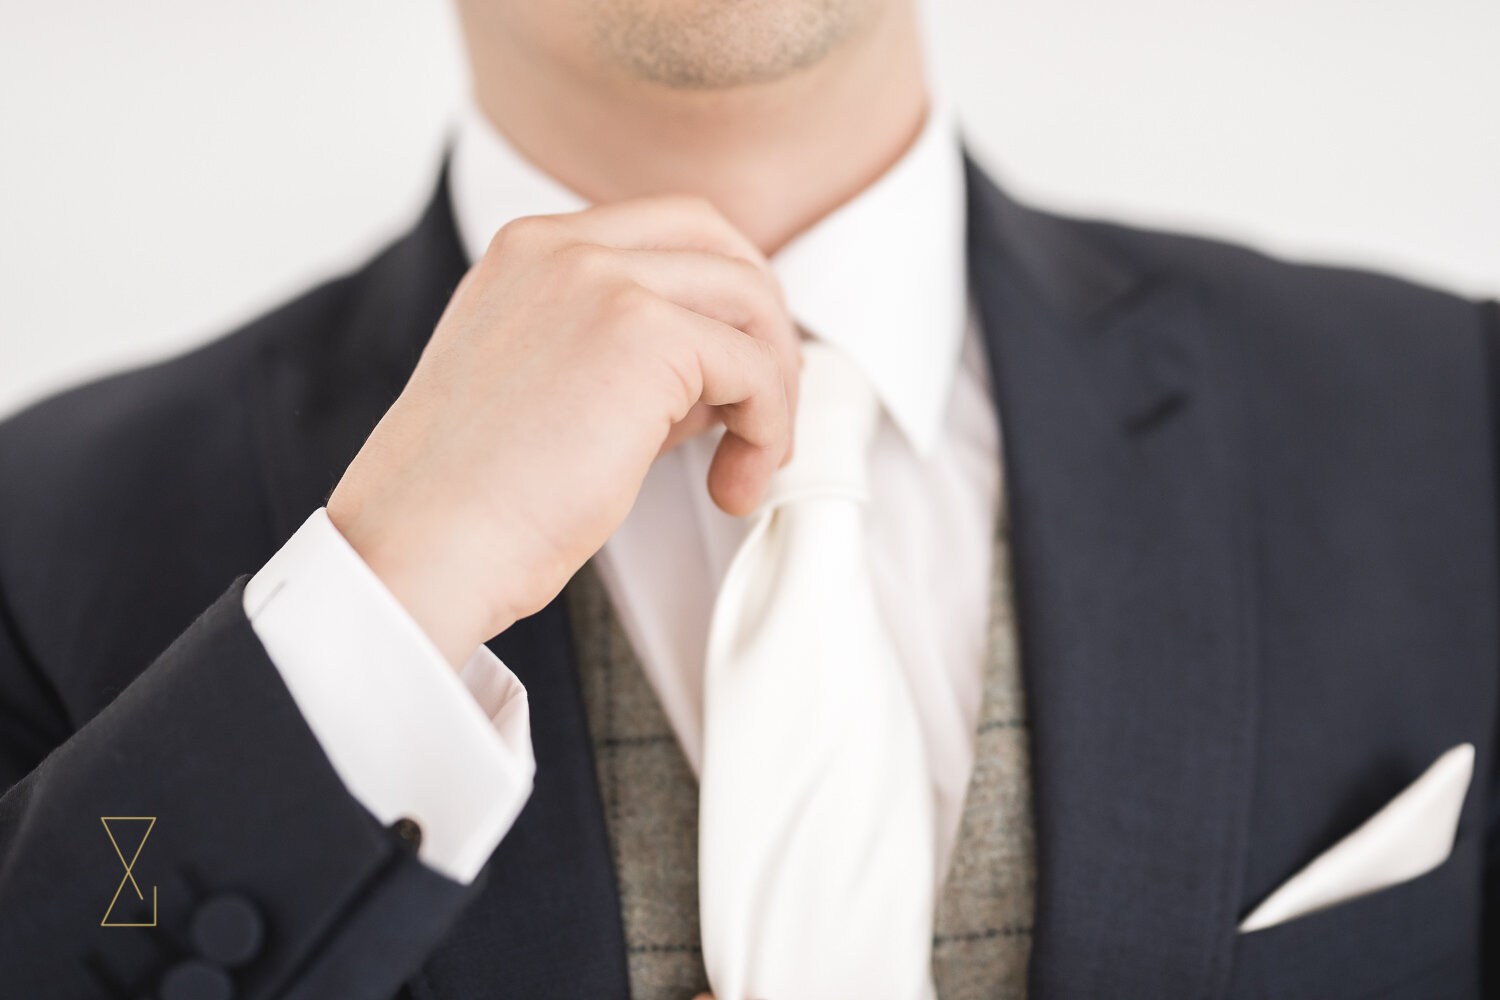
(1133, 599)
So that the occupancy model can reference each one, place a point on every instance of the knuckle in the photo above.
(749, 272)
(527, 231)
(627, 301)
(587, 262)
(764, 280)
(629, 315)
(768, 358)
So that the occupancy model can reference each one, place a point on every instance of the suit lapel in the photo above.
(547, 922)
(1133, 600)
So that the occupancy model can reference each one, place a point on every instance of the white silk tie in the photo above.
(816, 864)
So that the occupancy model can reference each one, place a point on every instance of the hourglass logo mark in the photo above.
(150, 822)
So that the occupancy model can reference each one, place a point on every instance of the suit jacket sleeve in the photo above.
(260, 867)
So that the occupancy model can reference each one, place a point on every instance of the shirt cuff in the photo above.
(407, 736)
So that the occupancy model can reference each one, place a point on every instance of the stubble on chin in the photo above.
(719, 44)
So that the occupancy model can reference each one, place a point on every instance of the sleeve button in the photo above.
(227, 929)
(196, 980)
(409, 832)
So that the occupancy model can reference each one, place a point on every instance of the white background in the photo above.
(169, 168)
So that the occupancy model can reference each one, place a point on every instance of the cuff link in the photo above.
(409, 831)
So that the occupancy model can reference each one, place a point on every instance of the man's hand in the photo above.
(571, 355)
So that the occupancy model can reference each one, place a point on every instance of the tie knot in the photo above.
(837, 412)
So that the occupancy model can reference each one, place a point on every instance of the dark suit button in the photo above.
(227, 929)
(409, 832)
(196, 980)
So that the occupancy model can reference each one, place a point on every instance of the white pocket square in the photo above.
(1410, 836)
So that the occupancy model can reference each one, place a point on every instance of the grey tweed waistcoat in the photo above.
(982, 926)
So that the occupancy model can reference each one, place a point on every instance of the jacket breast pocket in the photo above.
(1417, 938)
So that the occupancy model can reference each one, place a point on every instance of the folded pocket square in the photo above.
(1410, 836)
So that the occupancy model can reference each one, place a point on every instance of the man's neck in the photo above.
(774, 157)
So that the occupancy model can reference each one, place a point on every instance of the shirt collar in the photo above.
(883, 277)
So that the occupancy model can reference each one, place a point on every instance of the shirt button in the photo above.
(410, 833)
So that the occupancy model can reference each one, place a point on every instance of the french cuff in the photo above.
(409, 737)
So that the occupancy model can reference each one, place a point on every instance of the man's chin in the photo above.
(694, 45)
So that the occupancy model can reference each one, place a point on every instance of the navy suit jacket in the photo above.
(1258, 582)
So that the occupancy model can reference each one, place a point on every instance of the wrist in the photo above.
(434, 591)
(454, 624)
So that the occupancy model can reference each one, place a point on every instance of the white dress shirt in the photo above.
(884, 277)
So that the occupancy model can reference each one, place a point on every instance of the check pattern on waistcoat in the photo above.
(982, 925)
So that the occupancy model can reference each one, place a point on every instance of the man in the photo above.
(561, 669)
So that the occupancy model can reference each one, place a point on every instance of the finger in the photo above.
(666, 222)
(727, 289)
(739, 474)
(699, 419)
(742, 377)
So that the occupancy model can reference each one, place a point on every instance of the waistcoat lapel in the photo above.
(983, 923)
(650, 801)
(1135, 608)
